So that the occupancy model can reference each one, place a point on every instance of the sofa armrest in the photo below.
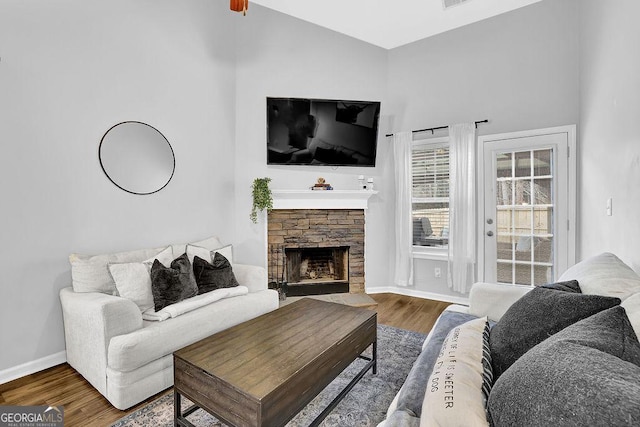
(91, 319)
(251, 276)
(493, 300)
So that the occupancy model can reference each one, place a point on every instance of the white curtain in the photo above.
(403, 275)
(462, 204)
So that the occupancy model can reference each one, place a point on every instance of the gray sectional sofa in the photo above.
(562, 354)
(124, 350)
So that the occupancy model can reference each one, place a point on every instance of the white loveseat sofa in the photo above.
(566, 367)
(128, 359)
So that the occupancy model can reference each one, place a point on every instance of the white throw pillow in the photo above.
(457, 391)
(193, 251)
(133, 279)
(226, 251)
(632, 307)
(207, 255)
(605, 275)
(166, 256)
(210, 243)
(133, 283)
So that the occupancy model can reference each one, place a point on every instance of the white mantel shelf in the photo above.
(321, 199)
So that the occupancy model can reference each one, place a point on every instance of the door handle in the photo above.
(490, 233)
(489, 221)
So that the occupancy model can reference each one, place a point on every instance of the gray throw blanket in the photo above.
(412, 393)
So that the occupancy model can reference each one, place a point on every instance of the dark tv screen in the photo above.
(321, 132)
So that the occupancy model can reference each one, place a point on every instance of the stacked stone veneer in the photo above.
(318, 228)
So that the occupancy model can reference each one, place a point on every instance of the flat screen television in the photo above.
(327, 132)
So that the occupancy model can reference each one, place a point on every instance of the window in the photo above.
(430, 193)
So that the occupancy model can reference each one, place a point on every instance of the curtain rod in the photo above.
(440, 127)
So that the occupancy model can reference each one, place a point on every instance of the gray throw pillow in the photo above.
(586, 375)
(538, 315)
(569, 286)
(213, 276)
(173, 284)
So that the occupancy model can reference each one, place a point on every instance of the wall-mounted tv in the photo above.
(321, 132)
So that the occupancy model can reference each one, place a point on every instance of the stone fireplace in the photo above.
(316, 251)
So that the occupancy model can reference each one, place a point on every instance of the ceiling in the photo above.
(391, 23)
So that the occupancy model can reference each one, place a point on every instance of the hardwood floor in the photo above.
(413, 314)
(84, 406)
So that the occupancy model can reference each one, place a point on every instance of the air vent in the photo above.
(446, 4)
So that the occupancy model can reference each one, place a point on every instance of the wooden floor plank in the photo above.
(84, 406)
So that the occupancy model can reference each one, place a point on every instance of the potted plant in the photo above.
(262, 198)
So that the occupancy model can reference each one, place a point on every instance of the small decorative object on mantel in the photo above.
(362, 185)
(370, 184)
(321, 185)
(262, 197)
(240, 6)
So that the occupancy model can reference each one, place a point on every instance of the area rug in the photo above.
(365, 405)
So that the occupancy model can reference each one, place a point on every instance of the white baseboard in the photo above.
(32, 367)
(419, 294)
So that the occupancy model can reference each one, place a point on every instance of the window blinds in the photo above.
(430, 172)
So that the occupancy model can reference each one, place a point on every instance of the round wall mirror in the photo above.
(137, 157)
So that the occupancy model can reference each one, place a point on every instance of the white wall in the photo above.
(609, 139)
(281, 56)
(69, 70)
(519, 70)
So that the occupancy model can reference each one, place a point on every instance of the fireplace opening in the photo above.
(315, 271)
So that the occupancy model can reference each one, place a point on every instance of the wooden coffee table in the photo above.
(264, 371)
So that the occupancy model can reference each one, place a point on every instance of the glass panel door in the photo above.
(524, 217)
(525, 229)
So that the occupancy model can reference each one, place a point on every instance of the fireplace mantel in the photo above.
(321, 199)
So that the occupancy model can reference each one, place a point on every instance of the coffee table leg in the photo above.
(372, 362)
(375, 357)
(180, 416)
(176, 408)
